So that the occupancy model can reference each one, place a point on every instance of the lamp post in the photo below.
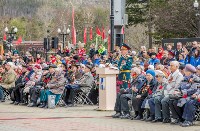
(11, 36)
(112, 25)
(63, 33)
(196, 6)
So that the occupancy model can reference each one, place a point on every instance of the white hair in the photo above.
(136, 70)
(144, 47)
(151, 67)
(176, 63)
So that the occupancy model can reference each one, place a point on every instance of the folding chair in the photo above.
(6, 94)
(61, 101)
(83, 93)
(197, 114)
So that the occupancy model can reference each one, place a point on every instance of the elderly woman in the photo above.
(121, 105)
(54, 87)
(143, 92)
(158, 94)
(187, 88)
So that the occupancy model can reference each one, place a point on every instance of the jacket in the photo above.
(86, 80)
(138, 82)
(160, 89)
(57, 83)
(147, 89)
(174, 81)
(8, 80)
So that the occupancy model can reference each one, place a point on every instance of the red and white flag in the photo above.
(98, 31)
(122, 32)
(91, 33)
(108, 42)
(103, 34)
(19, 40)
(4, 37)
(85, 35)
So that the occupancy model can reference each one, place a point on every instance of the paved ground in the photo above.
(21, 118)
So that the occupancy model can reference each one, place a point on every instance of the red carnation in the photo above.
(184, 96)
(160, 87)
(27, 79)
(199, 100)
(150, 92)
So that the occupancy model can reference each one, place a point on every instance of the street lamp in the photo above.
(64, 33)
(196, 6)
(11, 35)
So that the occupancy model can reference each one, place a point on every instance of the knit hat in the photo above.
(152, 72)
(190, 68)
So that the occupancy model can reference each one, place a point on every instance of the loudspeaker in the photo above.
(46, 43)
(119, 39)
(54, 43)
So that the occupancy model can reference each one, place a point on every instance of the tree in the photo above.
(169, 18)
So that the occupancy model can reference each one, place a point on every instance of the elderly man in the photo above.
(174, 81)
(121, 105)
(8, 80)
(85, 81)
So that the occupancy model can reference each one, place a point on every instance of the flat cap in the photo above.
(52, 66)
(190, 68)
(88, 66)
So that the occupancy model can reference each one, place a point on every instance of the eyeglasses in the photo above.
(157, 76)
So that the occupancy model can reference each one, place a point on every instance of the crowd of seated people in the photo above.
(168, 100)
(163, 85)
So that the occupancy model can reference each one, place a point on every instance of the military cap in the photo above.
(52, 66)
(45, 68)
(152, 53)
(190, 68)
(76, 64)
(88, 66)
(125, 47)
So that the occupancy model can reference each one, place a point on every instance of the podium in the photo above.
(107, 88)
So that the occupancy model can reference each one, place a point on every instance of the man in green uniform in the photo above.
(124, 65)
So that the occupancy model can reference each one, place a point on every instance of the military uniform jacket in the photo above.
(124, 66)
(8, 80)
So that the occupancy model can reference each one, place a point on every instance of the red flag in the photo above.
(90, 33)
(98, 31)
(103, 34)
(19, 41)
(85, 35)
(122, 32)
(74, 35)
(73, 28)
(4, 37)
